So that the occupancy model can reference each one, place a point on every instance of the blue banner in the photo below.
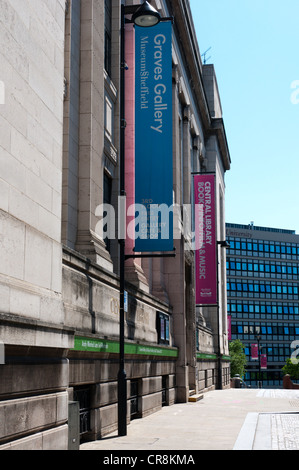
(153, 138)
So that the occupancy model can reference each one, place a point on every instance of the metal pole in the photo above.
(259, 358)
(218, 321)
(122, 382)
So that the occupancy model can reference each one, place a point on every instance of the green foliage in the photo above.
(238, 358)
(291, 368)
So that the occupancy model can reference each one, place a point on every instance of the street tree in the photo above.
(238, 358)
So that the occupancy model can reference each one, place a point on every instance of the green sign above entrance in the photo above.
(108, 346)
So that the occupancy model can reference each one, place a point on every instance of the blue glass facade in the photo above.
(263, 296)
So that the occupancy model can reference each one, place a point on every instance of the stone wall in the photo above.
(32, 56)
(34, 378)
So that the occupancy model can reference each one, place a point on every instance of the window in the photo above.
(108, 31)
(109, 111)
(163, 328)
(107, 200)
(134, 398)
(83, 396)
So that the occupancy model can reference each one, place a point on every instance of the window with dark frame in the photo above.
(107, 200)
(163, 328)
(108, 35)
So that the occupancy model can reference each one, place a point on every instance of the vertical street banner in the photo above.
(153, 138)
(254, 352)
(205, 240)
(263, 361)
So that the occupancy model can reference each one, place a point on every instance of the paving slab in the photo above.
(233, 419)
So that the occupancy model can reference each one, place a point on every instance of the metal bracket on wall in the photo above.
(153, 255)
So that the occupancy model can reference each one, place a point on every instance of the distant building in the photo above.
(263, 296)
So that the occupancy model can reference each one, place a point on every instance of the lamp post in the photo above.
(145, 16)
(222, 244)
(259, 349)
(259, 359)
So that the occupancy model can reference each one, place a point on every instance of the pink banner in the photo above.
(254, 352)
(205, 240)
(263, 361)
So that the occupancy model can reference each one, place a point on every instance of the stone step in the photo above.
(196, 397)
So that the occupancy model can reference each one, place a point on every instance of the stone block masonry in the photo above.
(34, 377)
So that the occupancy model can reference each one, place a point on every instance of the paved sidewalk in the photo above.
(234, 419)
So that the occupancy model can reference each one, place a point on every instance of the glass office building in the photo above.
(263, 298)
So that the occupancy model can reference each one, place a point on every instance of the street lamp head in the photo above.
(224, 244)
(146, 16)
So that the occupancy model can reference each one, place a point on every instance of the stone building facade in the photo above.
(59, 278)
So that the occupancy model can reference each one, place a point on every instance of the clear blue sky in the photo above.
(255, 52)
